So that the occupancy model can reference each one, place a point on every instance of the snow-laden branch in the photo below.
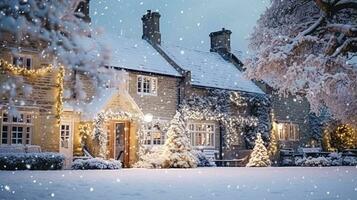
(347, 29)
(311, 61)
(345, 46)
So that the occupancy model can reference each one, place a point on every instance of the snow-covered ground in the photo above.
(201, 183)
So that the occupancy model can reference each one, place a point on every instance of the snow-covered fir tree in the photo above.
(177, 150)
(259, 157)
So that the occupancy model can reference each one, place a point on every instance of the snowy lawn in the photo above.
(200, 183)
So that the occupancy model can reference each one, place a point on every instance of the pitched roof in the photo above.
(209, 69)
(138, 55)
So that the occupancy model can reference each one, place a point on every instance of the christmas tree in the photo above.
(259, 156)
(177, 149)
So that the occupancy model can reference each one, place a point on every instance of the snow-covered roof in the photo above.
(138, 55)
(209, 69)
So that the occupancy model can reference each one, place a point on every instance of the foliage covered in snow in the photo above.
(304, 47)
(31, 161)
(326, 161)
(57, 31)
(259, 157)
(202, 160)
(100, 133)
(177, 150)
(57, 27)
(150, 158)
(229, 108)
(95, 163)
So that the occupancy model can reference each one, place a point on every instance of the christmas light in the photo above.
(16, 70)
(33, 73)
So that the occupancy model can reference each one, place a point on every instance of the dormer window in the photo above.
(22, 61)
(146, 85)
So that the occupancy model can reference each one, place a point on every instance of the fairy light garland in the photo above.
(33, 73)
(59, 102)
(16, 70)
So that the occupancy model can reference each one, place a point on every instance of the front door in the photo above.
(119, 142)
(66, 140)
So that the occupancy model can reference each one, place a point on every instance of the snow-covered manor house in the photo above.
(149, 81)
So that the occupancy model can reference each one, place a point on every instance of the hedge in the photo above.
(31, 161)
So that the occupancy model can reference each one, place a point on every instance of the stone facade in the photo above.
(40, 103)
(164, 104)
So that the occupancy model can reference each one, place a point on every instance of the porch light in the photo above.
(148, 117)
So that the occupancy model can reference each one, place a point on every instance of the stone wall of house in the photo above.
(292, 110)
(164, 104)
(41, 101)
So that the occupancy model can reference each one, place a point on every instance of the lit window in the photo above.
(202, 134)
(16, 129)
(147, 85)
(288, 131)
(154, 136)
(65, 135)
(22, 61)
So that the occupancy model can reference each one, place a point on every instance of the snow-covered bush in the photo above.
(349, 161)
(150, 159)
(31, 161)
(202, 160)
(259, 156)
(333, 159)
(287, 162)
(95, 163)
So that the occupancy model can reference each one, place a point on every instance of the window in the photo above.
(65, 134)
(4, 134)
(22, 61)
(147, 85)
(202, 134)
(288, 131)
(154, 136)
(16, 129)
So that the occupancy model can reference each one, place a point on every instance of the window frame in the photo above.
(25, 58)
(146, 85)
(193, 136)
(148, 135)
(66, 136)
(286, 130)
(14, 122)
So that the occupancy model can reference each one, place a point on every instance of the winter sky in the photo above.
(183, 22)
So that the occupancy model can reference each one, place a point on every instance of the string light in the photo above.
(59, 102)
(32, 73)
(16, 70)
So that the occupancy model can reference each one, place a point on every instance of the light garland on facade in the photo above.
(16, 70)
(59, 101)
(32, 73)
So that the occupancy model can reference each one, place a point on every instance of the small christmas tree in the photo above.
(177, 149)
(259, 156)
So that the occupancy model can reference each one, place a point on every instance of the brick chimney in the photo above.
(151, 27)
(221, 41)
(83, 11)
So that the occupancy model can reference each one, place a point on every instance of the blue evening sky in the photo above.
(183, 22)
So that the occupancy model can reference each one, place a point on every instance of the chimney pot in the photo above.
(151, 27)
(221, 41)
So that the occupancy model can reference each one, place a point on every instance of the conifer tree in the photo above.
(177, 152)
(259, 156)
